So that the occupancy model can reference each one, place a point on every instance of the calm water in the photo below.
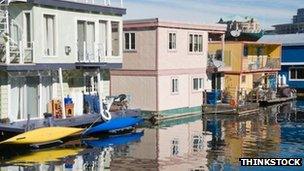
(211, 143)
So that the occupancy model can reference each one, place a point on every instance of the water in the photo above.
(211, 143)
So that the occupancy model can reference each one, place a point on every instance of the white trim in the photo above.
(168, 40)
(171, 85)
(192, 84)
(130, 41)
(289, 74)
(292, 63)
(56, 35)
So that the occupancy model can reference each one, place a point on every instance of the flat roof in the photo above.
(285, 39)
(249, 42)
(156, 22)
(73, 5)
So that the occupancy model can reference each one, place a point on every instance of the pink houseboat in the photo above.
(164, 66)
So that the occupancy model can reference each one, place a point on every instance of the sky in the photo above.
(267, 12)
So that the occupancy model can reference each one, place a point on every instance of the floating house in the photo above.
(164, 66)
(51, 49)
(242, 28)
(292, 72)
(249, 65)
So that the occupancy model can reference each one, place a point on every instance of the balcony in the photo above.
(261, 63)
(18, 53)
(94, 53)
(215, 59)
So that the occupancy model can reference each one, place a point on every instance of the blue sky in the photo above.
(268, 12)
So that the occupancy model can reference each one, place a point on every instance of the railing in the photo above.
(112, 3)
(263, 62)
(91, 52)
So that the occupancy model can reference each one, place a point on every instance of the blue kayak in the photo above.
(114, 124)
(114, 140)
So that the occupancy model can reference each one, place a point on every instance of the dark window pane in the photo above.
(132, 40)
(293, 73)
(127, 40)
(300, 73)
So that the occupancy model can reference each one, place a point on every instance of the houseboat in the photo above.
(242, 28)
(55, 57)
(253, 71)
(292, 72)
(164, 66)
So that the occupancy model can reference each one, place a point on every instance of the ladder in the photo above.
(10, 49)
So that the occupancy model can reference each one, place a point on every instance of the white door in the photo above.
(46, 94)
(32, 96)
(17, 99)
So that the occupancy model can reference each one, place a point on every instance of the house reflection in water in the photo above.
(190, 144)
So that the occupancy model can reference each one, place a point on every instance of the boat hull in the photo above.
(42, 135)
(114, 124)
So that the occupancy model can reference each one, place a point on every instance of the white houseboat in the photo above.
(52, 50)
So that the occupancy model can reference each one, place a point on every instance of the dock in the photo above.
(226, 109)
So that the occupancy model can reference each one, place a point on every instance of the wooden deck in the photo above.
(276, 100)
(226, 109)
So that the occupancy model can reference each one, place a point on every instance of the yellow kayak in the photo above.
(42, 135)
(45, 156)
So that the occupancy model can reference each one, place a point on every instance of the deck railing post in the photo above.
(62, 94)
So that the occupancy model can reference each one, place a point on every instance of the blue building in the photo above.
(292, 58)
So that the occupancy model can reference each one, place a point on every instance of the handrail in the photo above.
(118, 3)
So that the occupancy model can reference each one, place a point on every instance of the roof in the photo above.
(237, 18)
(156, 22)
(285, 39)
(73, 5)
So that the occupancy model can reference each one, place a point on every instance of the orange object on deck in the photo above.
(69, 110)
(55, 108)
(233, 103)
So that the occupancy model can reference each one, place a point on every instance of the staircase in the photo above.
(10, 50)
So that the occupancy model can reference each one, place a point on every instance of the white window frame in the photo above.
(173, 41)
(199, 43)
(294, 79)
(200, 84)
(129, 48)
(94, 85)
(174, 88)
(55, 34)
(25, 26)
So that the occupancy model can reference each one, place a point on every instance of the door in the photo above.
(46, 94)
(17, 98)
(81, 38)
(86, 41)
(103, 38)
(32, 96)
(90, 41)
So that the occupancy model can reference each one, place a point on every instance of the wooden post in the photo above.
(62, 95)
(99, 90)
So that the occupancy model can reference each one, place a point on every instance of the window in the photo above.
(174, 85)
(197, 84)
(195, 43)
(91, 84)
(296, 73)
(49, 21)
(129, 41)
(243, 78)
(28, 37)
(174, 147)
(172, 41)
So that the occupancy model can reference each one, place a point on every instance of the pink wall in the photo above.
(143, 57)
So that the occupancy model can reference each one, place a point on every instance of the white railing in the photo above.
(91, 52)
(113, 3)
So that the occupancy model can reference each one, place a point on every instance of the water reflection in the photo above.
(212, 143)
